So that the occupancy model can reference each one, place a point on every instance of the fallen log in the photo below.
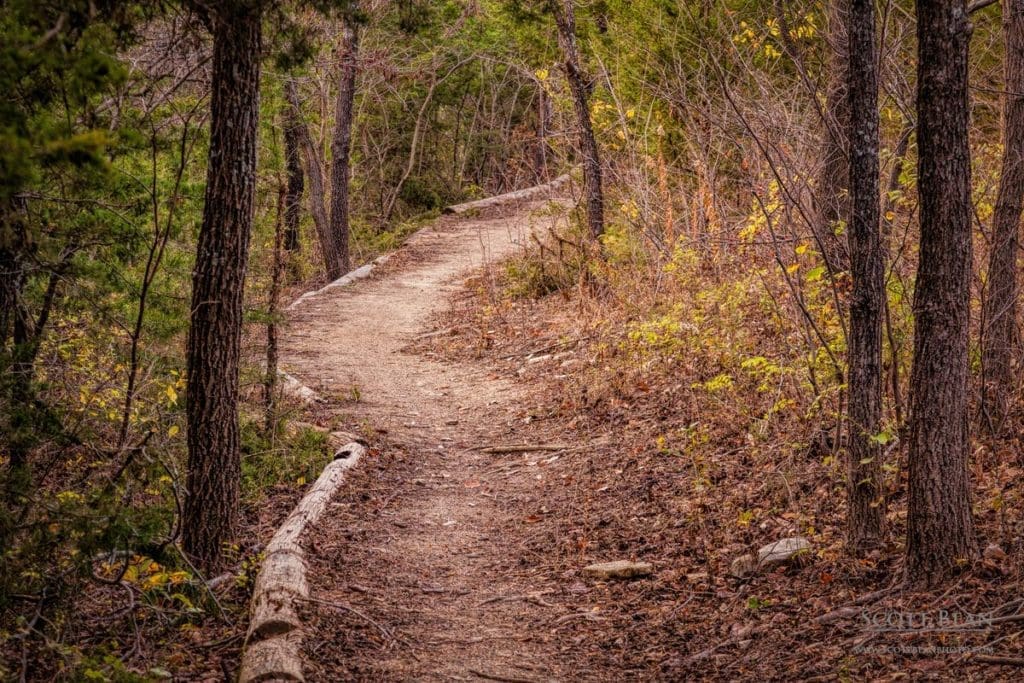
(276, 659)
(273, 642)
(528, 194)
(348, 278)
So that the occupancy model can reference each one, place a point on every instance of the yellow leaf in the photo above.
(172, 395)
(173, 431)
(801, 249)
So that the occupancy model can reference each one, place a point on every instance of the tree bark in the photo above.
(542, 149)
(25, 423)
(16, 382)
(273, 310)
(999, 337)
(866, 516)
(341, 147)
(940, 530)
(831, 200)
(315, 173)
(218, 282)
(296, 181)
(565, 18)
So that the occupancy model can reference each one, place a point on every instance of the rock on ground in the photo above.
(782, 550)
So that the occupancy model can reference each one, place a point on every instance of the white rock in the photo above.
(782, 550)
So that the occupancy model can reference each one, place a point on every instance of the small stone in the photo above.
(994, 552)
(743, 566)
(697, 577)
(782, 551)
(738, 630)
(620, 569)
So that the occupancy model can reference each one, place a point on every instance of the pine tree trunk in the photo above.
(867, 509)
(565, 17)
(218, 281)
(273, 305)
(999, 337)
(314, 171)
(940, 530)
(296, 182)
(341, 147)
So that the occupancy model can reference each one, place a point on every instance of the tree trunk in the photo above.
(21, 435)
(218, 282)
(542, 149)
(11, 285)
(867, 499)
(341, 148)
(830, 199)
(940, 530)
(296, 181)
(565, 18)
(25, 423)
(273, 303)
(315, 173)
(15, 328)
(999, 337)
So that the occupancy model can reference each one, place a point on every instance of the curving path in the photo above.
(416, 574)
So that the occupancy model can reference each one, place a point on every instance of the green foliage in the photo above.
(419, 196)
(269, 462)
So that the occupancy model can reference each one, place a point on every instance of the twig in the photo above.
(578, 615)
(520, 448)
(498, 677)
(223, 641)
(704, 654)
(549, 347)
(202, 582)
(438, 333)
(531, 597)
(999, 659)
(352, 610)
(474, 641)
(979, 5)
(850, 610)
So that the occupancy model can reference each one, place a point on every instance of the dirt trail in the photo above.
(415, 572)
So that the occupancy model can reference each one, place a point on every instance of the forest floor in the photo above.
(448, 556)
